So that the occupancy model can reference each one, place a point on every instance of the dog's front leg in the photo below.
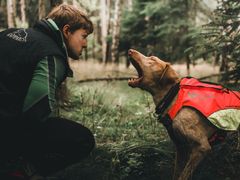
(197, 154)
(180, 160)
(191, 130)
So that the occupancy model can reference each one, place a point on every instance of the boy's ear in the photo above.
(66, 30)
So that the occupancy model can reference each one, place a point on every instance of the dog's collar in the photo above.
(167, 99)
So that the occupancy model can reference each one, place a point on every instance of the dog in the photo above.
(188, 127)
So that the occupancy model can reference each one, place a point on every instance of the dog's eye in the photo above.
(153, 58)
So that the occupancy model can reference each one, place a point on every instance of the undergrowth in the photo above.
(114, 112)
(131, 144)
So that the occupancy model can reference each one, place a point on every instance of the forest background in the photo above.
(199, 37)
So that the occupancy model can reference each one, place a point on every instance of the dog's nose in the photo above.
(130, 51)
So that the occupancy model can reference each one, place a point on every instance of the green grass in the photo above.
(131, 144)
(114, 112)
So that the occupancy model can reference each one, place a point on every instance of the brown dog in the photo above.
(189, 129)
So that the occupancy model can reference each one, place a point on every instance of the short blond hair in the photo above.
(68, 14)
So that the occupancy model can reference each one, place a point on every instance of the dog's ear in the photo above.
(169, 77)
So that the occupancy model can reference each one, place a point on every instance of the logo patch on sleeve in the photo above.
(18, 35)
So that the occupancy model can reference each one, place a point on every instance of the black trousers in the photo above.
(50, 146)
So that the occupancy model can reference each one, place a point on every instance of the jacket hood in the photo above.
(49, 27)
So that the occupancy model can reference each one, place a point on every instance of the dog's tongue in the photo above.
(134, 82)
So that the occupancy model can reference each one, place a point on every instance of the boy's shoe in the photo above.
(16, 175)
(20, 169)
(17, 169)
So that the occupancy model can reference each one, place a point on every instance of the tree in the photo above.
(221, 39)
(133, 27)
(31, 11)
(11, 13)
(164, 28)
(3, 14)
(116, 31)
(41, 9)
(23, 11)
(105, 25)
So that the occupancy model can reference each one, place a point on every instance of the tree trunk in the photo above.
(105, 16)
(11, 13)
(130, 4)
(85, 54)
(31, 11)
(224, 64)
(41, 9)
(116, 31)
(185, 31)
(23, 11)
(188, 62)
(3, 15)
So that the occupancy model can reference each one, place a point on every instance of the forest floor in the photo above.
(151, 162)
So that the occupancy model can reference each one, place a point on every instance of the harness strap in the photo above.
(167, 99)
(218, 137)
(162, 106)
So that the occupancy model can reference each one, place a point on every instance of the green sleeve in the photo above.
(40, 100)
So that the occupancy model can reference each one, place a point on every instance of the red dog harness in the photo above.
(206, 98)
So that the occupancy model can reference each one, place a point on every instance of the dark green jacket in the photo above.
(33, 63)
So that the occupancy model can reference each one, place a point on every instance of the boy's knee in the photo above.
(87, 141)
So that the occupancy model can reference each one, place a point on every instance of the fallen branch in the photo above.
(210, 76)
(104, 79)
(126, 78)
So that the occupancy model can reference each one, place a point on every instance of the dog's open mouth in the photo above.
(134, 81)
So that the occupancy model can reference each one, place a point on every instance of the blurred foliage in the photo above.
(163, 28)
(221, 39)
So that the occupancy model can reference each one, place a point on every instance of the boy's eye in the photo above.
(84, 36)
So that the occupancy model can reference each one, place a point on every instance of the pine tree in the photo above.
(164, 28)
(222, 39)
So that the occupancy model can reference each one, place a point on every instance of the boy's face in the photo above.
(75, 41)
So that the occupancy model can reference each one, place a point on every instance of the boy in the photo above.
(33, 63)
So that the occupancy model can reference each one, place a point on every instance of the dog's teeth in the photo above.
(134, 81)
